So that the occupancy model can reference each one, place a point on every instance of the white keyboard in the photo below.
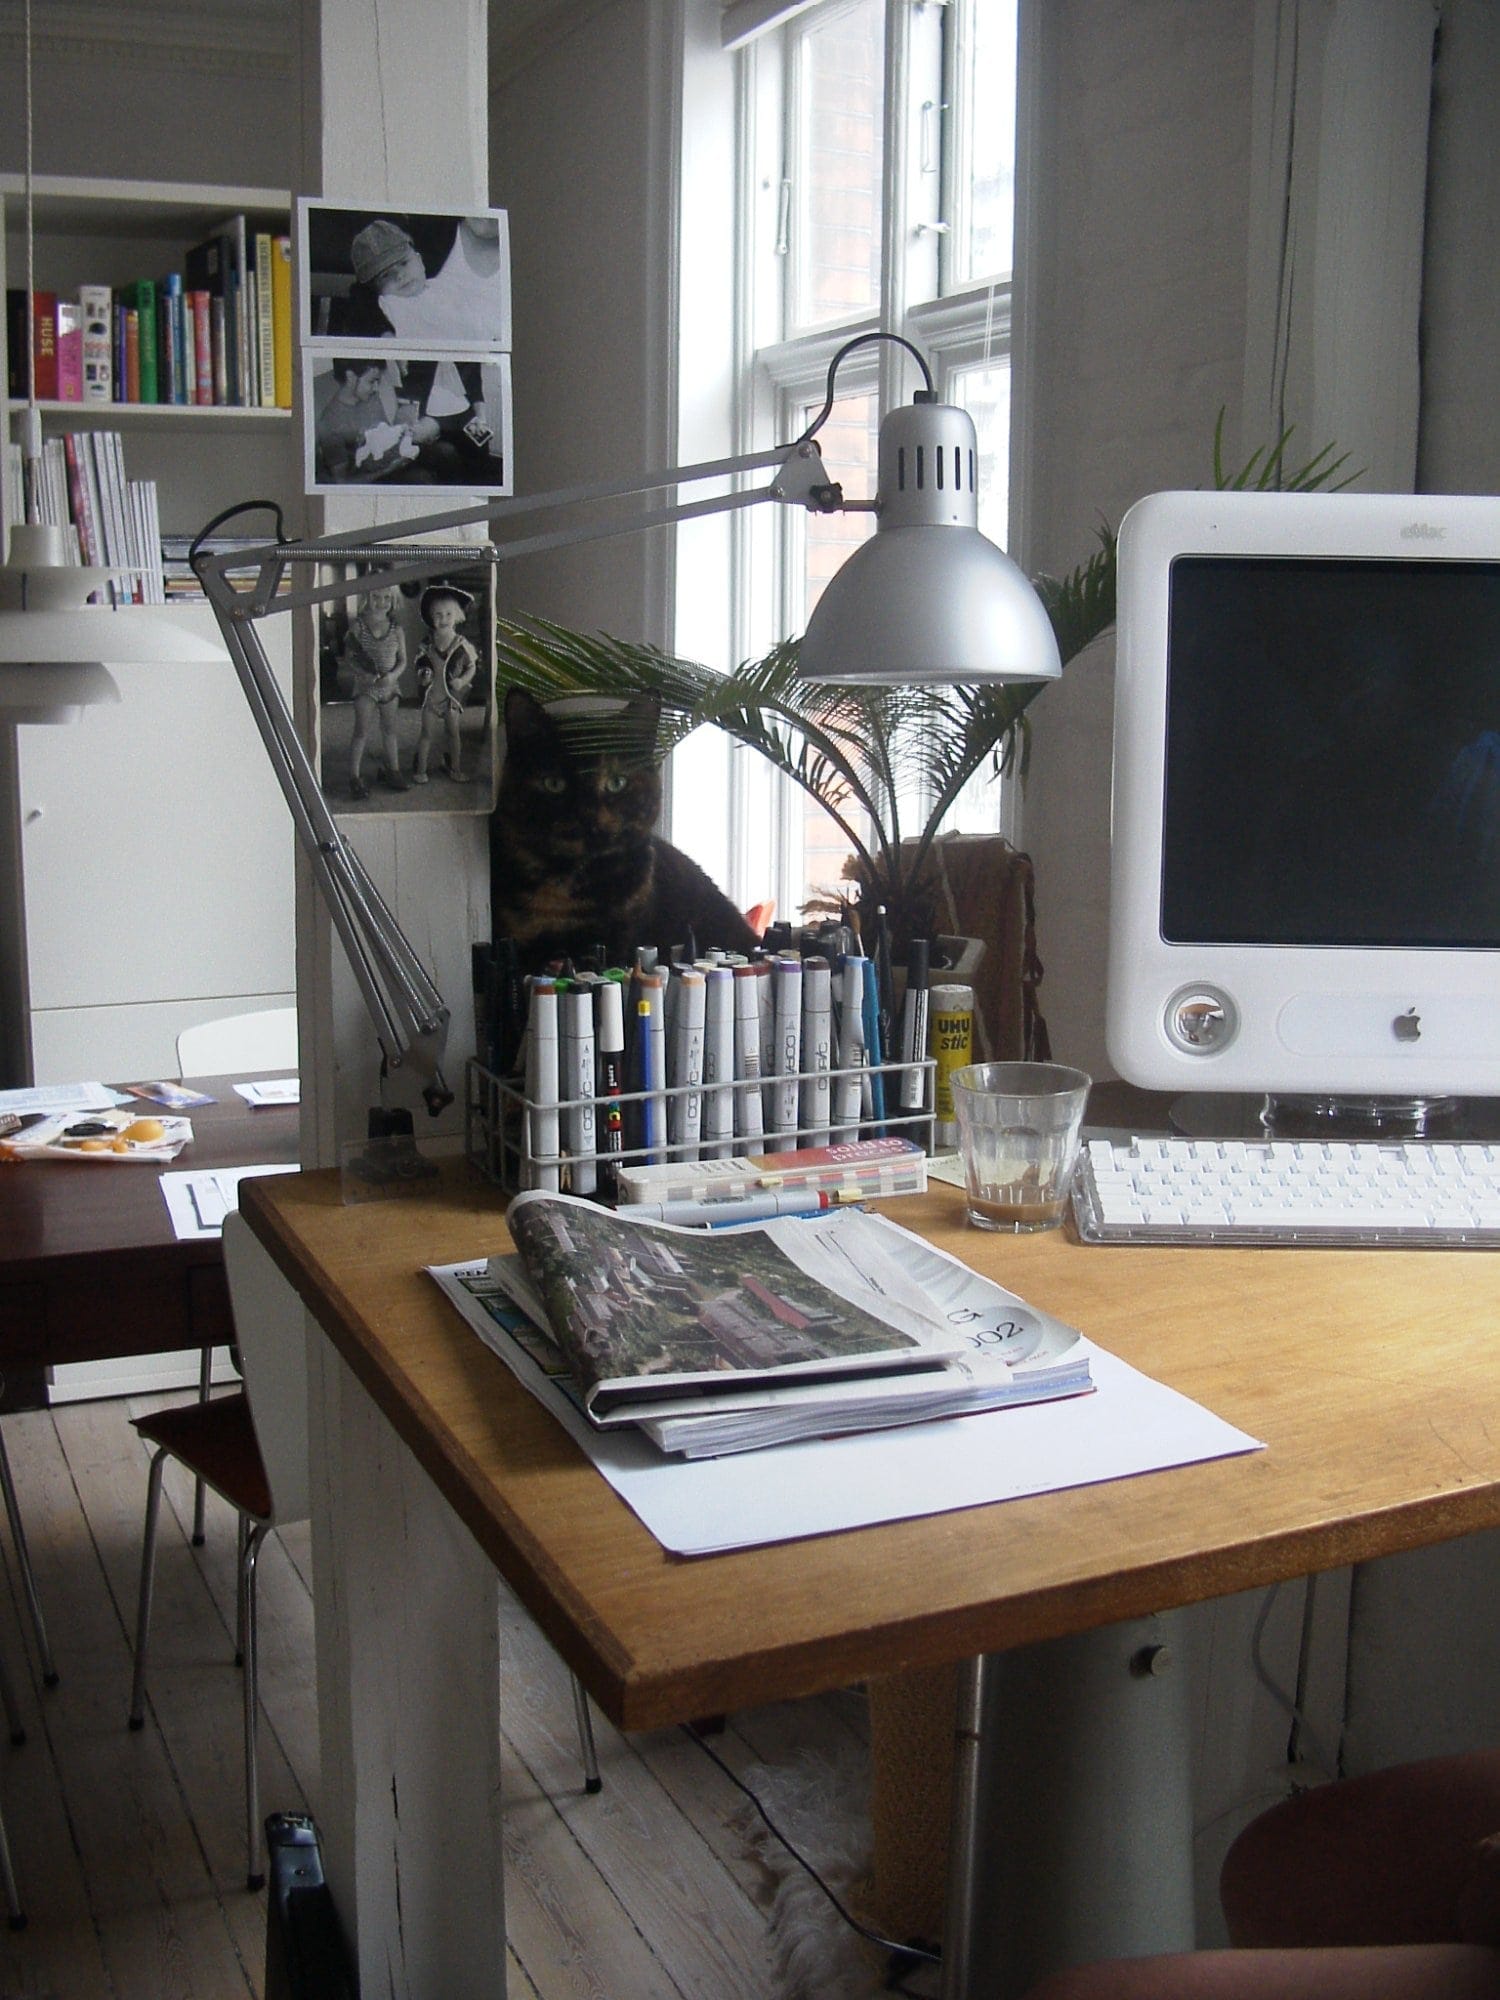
(1427, 1195)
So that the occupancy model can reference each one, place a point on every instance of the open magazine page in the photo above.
(647, 1312)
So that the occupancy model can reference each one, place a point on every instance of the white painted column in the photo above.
(396, 112)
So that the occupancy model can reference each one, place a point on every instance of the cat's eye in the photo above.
(554, 786)
(616, 781)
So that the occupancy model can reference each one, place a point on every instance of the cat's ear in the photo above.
(525, 718)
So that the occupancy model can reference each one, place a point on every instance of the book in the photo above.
(69, 351)
(196, 304)
(142, 295)
(711, 1342)
(281, 320)
(265, 338)
(17, 349)
(96, 305)
(129, 388)
(44, 335)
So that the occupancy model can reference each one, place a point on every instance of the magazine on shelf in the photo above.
(718, 1341)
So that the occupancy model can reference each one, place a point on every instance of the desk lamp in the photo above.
(927, 598)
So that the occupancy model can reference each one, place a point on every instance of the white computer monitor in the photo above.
(1305, 892)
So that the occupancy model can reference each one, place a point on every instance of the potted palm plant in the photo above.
(864, 753)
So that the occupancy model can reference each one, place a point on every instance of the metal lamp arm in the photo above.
(404, 1004)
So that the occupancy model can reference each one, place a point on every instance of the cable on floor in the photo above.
(901, 1955)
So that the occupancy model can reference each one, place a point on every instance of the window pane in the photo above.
(849, 441)
(838, 154)
(985, 134)
(984, 391)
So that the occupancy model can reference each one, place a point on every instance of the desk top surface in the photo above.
(54, 1213)
(1369, 1375)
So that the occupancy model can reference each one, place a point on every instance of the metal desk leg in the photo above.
(1072, 1835)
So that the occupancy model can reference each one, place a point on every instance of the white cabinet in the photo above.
(146, 854)
(150, 861)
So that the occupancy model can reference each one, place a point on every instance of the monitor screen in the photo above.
(1333, 753)
(1305, 889)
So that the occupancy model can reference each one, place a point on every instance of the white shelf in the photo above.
(84, 416)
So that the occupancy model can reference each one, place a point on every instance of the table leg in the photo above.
(1072, 1833)
(408, 1700)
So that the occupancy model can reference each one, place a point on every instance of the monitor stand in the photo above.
(1211, 1116)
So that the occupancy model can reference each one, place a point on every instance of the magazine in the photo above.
(724, 1341)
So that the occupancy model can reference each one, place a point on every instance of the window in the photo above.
(878, 153)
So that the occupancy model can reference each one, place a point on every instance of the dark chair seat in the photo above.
(216, 1441)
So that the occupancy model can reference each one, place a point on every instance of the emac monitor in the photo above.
(1305, 892)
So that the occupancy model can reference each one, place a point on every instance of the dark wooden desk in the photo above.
(90, 1267)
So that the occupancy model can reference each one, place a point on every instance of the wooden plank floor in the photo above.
(129, 1846)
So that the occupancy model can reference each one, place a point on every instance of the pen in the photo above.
(913, 1094)
(738, 1208)
(874, 1048)
(611, 1045)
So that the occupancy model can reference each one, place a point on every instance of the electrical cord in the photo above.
(898, 1952)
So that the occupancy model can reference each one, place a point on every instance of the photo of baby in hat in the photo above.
(446, 667)
(429, 277)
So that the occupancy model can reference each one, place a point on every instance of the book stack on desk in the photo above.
(711, 1342)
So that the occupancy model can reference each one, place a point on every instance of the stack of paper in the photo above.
(711, 1343)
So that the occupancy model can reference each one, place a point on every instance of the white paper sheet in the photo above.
(199, 1198)
(273, 1090)
(1130, 1424)
(48, 1097)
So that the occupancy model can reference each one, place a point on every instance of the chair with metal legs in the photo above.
(23, 1563)
(252, 1449)
(14, 1911)
(266, 1039)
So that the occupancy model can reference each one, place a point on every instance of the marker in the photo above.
(749, 1121)
(718, 1062)
(849, 1089)
(786, 1001)
(579, 1082)
(685, 1111)
(541, 1082)
(741, 1208)
(651, 1054)
(817, 1049)
(874, 1048)
(611, 1042)
(913, 1090)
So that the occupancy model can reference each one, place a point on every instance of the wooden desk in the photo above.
(1361, 1371)
(90, 1267)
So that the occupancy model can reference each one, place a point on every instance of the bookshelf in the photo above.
(146, 854)
(112, 232)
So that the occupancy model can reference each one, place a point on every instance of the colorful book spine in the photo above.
(78, 499)
(44, 339)
(281, 319)
(265, 337)
(218, 340)
(142, 294)
(196, 303)
(97, 306)
(69, 351)
(131, 320)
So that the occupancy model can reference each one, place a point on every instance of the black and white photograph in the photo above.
(407, 417)
(426, 277)
(406, 693)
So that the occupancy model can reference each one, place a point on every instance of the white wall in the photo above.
(1135, 292)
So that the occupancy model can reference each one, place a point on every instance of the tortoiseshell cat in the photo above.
(573, 860)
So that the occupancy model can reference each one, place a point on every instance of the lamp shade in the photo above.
(927, 597)
(53, 645)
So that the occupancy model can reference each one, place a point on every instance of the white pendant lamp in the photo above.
(53, 642)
